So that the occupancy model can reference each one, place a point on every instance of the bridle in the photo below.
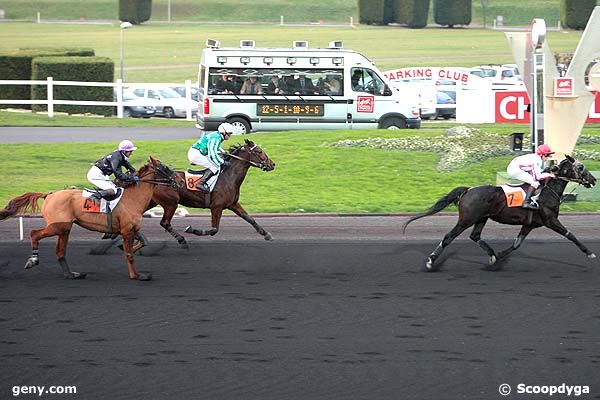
(167, 176)
(578, 168)
(262, 164)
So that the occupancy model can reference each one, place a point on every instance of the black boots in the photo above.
(102, 194)
(530, 201)
(202, 183)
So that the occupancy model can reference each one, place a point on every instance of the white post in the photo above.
(351, 21)
(39, 17)
(119, 90)
(169, 11)
(21, 228)
(188, 98)
(281, 20)
(50, 92)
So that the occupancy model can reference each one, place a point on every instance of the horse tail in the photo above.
(452, 197)
(25, 203)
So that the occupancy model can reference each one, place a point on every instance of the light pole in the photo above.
(124, 25)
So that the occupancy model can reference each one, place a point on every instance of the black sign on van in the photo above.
(290, 109)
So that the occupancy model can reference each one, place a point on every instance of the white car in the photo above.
(500, 74)
(167, 102)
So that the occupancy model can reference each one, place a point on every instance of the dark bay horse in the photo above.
(478, 204)
(225, 194)
(63, 208)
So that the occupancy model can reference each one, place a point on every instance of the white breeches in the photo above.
(97, 178)
(515, 172)
(196, 158)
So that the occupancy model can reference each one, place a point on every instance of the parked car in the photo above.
(167, 102)
(444, 98)
(501, 74)
(195, 94)
(135, 107)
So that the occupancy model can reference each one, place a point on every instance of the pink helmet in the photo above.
(544, 150)
(127, 145)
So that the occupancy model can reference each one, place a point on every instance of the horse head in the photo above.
(572, 170)
(162, 174)
(254, 155)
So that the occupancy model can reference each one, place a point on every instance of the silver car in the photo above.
(167, 102)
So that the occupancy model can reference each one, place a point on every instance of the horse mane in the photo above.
(237, 147)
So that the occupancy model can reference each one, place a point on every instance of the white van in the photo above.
(297, 88)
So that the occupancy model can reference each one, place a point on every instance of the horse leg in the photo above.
(61, 252)
(142, 241)
(450, 236)
(35, 236)
(525, 230)
(215, 214)
(476, 237)
(559, 228)
(239, 210)
(165, 222)
(128, 238)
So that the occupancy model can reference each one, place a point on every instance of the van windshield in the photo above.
(281, 81)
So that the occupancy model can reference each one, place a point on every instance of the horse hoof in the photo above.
(143, 277)
(184, 245)
(31, 262)
(591, 255)
(76, 275)
(188, 229)
(493, 259)
(268, 236)
(429, 265)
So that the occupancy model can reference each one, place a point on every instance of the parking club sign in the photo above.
(563, 86)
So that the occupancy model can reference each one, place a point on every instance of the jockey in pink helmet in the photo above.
(529, 169)
(111, 164)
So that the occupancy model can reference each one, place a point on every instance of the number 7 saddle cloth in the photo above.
(515, 195)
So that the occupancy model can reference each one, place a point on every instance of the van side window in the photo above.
(366, 80)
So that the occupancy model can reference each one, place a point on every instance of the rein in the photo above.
(253, 163)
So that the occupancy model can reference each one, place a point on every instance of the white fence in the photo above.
(118, 86)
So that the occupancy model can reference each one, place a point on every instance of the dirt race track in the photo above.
(332, 309)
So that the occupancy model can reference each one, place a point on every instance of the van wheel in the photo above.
(394, 123)
(241, 126)
(169, 113)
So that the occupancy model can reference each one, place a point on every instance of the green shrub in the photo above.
(84, 69)
(371, 12)
(17, 66)
(135, 11)
(452, 12)
(413, 13)
(575, 14)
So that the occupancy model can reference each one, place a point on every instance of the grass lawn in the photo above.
(310, 176)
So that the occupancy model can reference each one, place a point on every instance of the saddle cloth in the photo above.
(515, 195)
(193, 176)
(92, 206)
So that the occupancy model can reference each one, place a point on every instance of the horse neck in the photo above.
(138, 196)
(558, 185)
(237, 171)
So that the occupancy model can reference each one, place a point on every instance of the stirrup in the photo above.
(533, 205)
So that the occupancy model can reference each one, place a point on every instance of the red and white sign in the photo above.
(564, 86)
(430, 73)
(512, 107)
(365, 104)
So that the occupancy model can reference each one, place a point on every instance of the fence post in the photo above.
(119, 90)
(188, 97)
(50, 93)
(281, 20)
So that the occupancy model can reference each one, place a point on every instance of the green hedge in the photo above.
(575, 14)
(388, 11)
(371, 12)
(135, 11)
(17, 66)
(413, 13)
(85, 69)
(452, 12)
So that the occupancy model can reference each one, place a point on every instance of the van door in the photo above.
(370, 99)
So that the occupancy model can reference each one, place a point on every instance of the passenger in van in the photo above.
(304, 85)
(332, 86)
(224, 85)
(251, 86)
(207, 153)
(276, 86)
(356, 80)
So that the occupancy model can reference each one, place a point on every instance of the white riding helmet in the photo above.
(127, 145)
(226, 127)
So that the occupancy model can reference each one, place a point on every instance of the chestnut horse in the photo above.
(478, 204)
(63, 208)
(225, 194)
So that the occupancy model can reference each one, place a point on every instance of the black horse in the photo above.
(477, 204)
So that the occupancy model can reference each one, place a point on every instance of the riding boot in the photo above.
(530, 201)
(203, 182)
(102, 194)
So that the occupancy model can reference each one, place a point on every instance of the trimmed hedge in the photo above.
(371, 12)
(575, 14)
(413, 13)
(135, 11)
(452, 12)
(17, 66)
(85, 69)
